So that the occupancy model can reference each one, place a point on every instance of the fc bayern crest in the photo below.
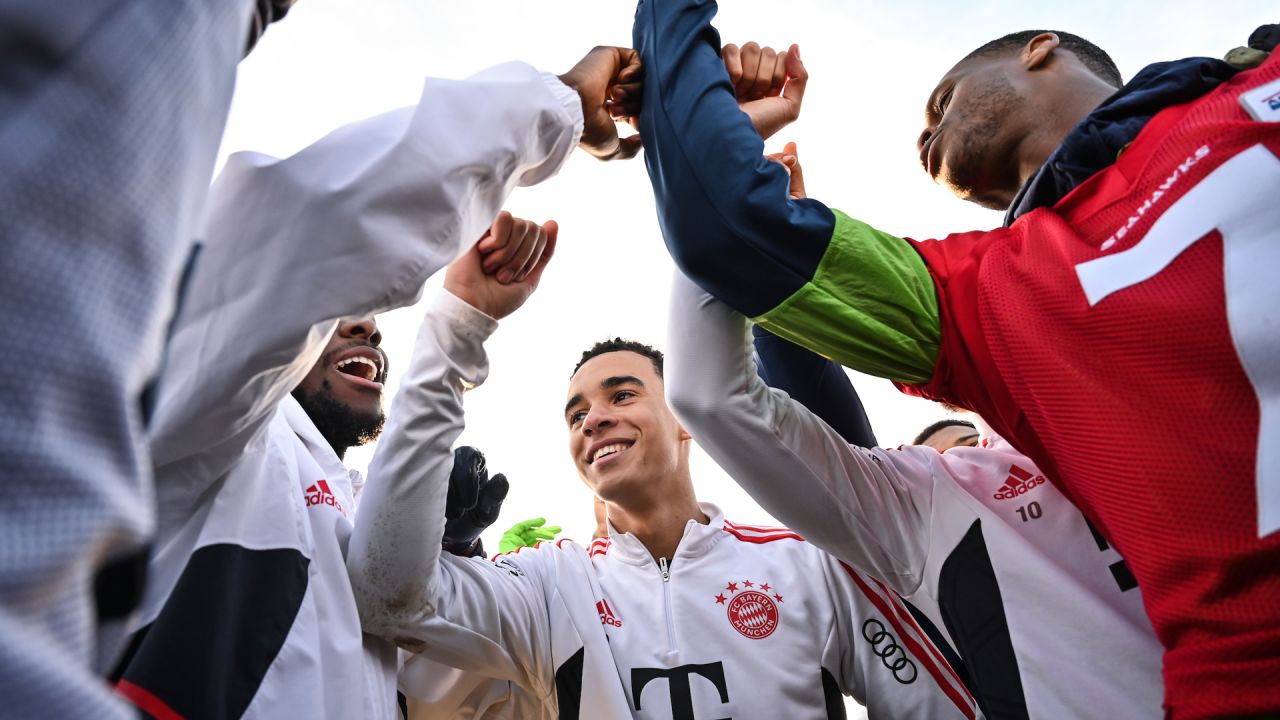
(752, 612)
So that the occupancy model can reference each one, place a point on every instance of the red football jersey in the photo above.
(1128, 340)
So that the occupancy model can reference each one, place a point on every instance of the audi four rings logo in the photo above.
(886, 647)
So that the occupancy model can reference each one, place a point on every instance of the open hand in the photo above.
(609, 82)
(769, 85)
(527, 534)
(473, 502)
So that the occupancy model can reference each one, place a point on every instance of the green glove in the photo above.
(526, 534)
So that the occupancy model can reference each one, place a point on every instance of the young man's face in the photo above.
(621, 433)
(342, 393)
(976, 120)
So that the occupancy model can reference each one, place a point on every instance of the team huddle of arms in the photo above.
(1050, 559)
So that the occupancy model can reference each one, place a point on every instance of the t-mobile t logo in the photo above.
(678, 679)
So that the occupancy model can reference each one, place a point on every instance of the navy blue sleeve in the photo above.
(724, 210)
(815, 382)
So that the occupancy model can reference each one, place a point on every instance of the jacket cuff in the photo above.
(461, 331)
(569, 99)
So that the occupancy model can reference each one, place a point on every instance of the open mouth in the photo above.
(613, 450)
(363, 367)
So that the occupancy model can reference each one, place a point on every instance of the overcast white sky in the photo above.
(872, 66)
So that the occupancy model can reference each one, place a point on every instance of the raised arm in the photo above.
(815, 382)
(870, 508)
(464, 612)
(857, 295)
(351, 226)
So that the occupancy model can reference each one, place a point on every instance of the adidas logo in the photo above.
(1018, 483)
(606, 614)
(320, 494)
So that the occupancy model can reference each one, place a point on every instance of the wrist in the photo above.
(574, 86)
(589, 138)
(570, 82)
(565, 90)
(464, 317)
(462, 548)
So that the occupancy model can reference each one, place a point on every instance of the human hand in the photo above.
(609, 82)
(473, 502)
(527, 534)
(769, 85)
(1262, 42)
(499, 286)
(790, 160)
(512, 247)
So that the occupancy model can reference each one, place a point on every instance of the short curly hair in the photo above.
(619, 345)
(1093, 57)
(928, 432)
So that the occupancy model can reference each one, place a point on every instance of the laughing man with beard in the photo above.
(248, 611)
(260, 620)
(342, 395)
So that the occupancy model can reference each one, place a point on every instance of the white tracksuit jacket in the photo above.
(742, 622)
(976, 538)
(249, 610)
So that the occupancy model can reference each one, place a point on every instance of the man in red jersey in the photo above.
(1128, 290)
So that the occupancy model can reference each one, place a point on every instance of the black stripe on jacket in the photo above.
(207, 652)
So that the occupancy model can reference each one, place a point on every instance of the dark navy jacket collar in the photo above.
(1096, 142)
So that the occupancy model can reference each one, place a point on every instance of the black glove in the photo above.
(473, 504)
(1265, 38)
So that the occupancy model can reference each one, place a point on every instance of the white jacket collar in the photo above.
(698, 539)
(319, 448)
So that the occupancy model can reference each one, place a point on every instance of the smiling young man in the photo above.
(677, 613)
(1130, 286)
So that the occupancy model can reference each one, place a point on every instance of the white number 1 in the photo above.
(1241, 200)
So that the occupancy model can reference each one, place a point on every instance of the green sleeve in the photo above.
(870, 306)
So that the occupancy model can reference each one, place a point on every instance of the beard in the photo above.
(341, 426)
(972, 174)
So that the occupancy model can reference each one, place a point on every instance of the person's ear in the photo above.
(1038, 49)
(682, 434)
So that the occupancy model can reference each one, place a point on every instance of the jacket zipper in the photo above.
(666, 593)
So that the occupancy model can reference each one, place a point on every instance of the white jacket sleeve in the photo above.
(350, 226)
(468, 613)
(881, 657)
(868, 507)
